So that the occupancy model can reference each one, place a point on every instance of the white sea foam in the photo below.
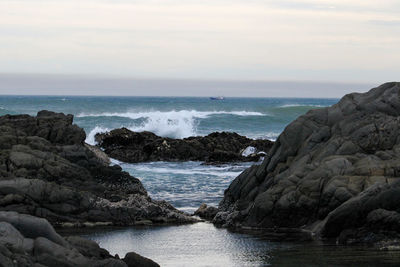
(175, 124)
(194, 171)
(90, 136)
(248, 151)
(171, 124)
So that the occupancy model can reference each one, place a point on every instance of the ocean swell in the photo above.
(174, 124)
(171, 114)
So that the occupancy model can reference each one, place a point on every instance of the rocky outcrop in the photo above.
(332, 171)
(206, 212)
(30, 241)
(128, 146)
(46, 170)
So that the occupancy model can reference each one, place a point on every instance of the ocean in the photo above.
(188, 184)
(185, 184)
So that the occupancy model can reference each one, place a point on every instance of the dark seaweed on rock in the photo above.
(218, 147)
(46, 170)
(333, 170)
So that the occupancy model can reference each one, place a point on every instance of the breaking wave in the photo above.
(174, 124)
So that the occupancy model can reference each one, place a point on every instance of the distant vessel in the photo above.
(217, 98)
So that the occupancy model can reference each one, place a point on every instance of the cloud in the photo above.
(212, 39)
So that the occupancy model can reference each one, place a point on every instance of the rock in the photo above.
(103, 158)
(88, 248)
(32, 227)
(206, 212)
(10, 237)
(135, 260)
(36, 249)
(46, 170)
(128, 146)
(331, 170)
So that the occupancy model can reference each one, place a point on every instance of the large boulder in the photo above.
(133, 259)
(40, 245)
(218, 147)
(46, 170)
(327, 171)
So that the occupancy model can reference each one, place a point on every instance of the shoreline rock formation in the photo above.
(26, 240)
(333, 172)
(219, 147)
(46, 170)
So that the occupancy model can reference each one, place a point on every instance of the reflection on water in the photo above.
(199, 244)
(202, 244)
(312, 254)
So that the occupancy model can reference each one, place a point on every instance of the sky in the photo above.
(350, 44)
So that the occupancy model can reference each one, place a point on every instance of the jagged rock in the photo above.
(327, 171)
(46, 170)
(21, 245)
(206, 212)
(128, 146)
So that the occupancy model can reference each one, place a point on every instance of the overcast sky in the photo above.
(342, 41)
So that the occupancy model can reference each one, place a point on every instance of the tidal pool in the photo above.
(202, 244)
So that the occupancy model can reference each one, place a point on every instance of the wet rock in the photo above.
(133, 259)
(46, 170)
(206, 212)
(128, 146)
(36, 249)
(332, 169)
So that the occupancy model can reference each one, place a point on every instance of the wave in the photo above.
(90, 136)
(171, 114)
(194, 171)
(174, 124)
(300, 105)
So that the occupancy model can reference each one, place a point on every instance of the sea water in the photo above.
(185, 184)
(188, 184)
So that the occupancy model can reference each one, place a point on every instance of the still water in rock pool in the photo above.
(188, 184)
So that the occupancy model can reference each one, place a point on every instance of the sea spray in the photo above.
(174, 124)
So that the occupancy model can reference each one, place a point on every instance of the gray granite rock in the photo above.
(40, 245)
(327, 171)
(46, 170)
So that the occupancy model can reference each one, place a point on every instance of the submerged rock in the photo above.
(128, 146)
(30, 241)
(46, 170)
(332, 170)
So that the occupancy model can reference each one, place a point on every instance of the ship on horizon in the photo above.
(217, 98)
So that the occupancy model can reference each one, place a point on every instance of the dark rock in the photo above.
(32, 227)
(206, 212)
(331, 170)
(36, 249)
(46, 170)
(128, 146)
(135, 260)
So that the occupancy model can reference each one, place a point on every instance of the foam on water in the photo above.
(90, 136)
(185, 184)
(174, 124)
